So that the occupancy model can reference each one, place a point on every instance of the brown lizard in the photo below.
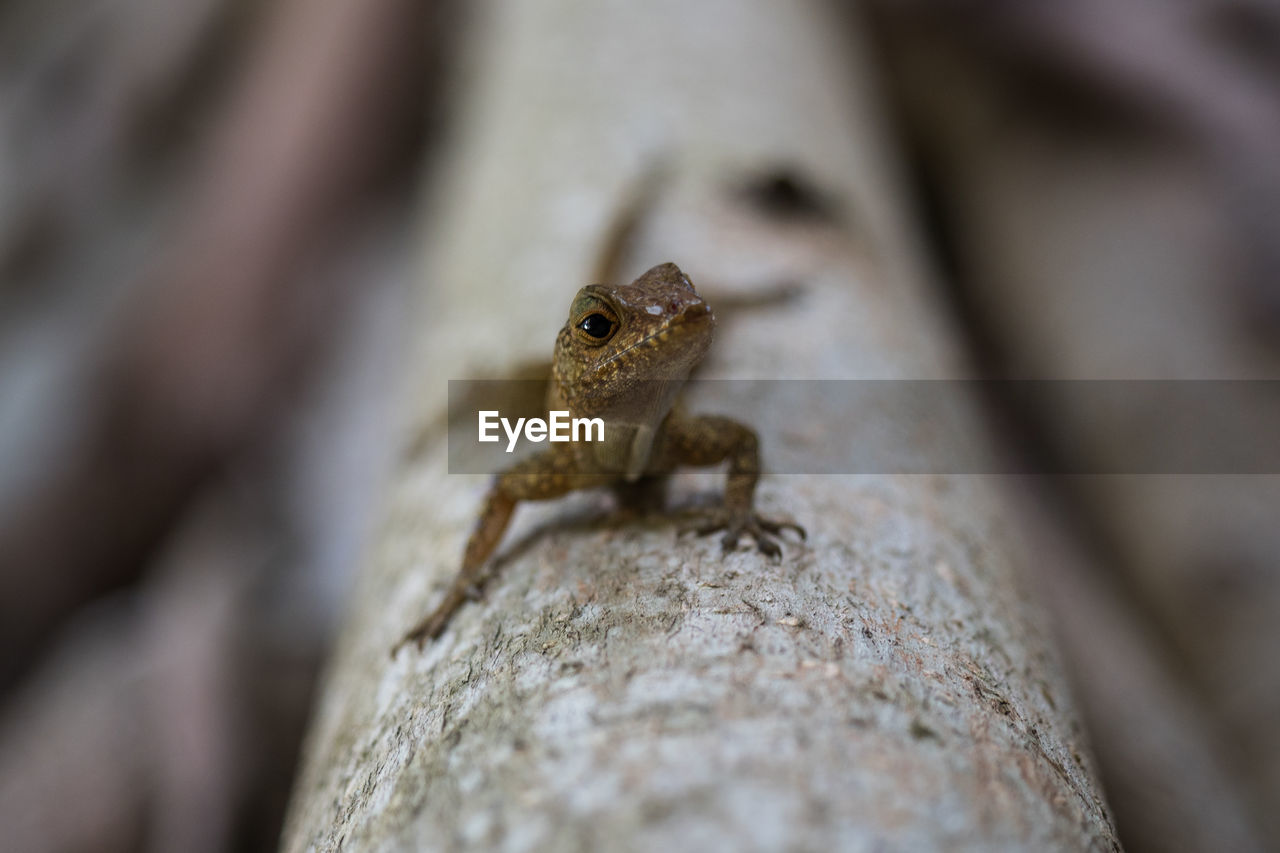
(622, 356)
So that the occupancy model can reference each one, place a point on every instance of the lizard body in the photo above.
(623, 355)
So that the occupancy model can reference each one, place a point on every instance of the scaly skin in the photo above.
(622, 356)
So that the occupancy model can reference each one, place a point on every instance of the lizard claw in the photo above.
(434, 624)
(427, 629)
(759, 528)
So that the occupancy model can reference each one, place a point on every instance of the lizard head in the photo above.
(633, 343)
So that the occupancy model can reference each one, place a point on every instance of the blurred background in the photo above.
(207, 210)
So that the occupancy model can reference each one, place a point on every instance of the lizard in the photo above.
(623, 355)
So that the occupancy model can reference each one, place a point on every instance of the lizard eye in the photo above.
(597, 326)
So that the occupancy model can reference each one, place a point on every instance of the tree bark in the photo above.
(887, 684)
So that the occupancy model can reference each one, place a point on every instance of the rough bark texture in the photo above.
(890, 683)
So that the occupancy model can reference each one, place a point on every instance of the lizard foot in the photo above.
(427, 629)
(417, 636)
(763, 530)
(434, 624)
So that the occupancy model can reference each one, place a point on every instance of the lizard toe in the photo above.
(762, 530)
(778, 527)
(767, 546)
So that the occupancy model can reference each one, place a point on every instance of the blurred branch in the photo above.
(230, 321)
(1203, 74)
(83, 84)
(1105, 178)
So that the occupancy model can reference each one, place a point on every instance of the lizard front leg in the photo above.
(547, 475)
(709, 440)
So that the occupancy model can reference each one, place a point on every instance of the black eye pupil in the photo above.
(596, 325)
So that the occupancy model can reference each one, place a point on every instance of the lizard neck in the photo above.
(631, 424)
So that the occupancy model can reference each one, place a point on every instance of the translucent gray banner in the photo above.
(926, 426)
